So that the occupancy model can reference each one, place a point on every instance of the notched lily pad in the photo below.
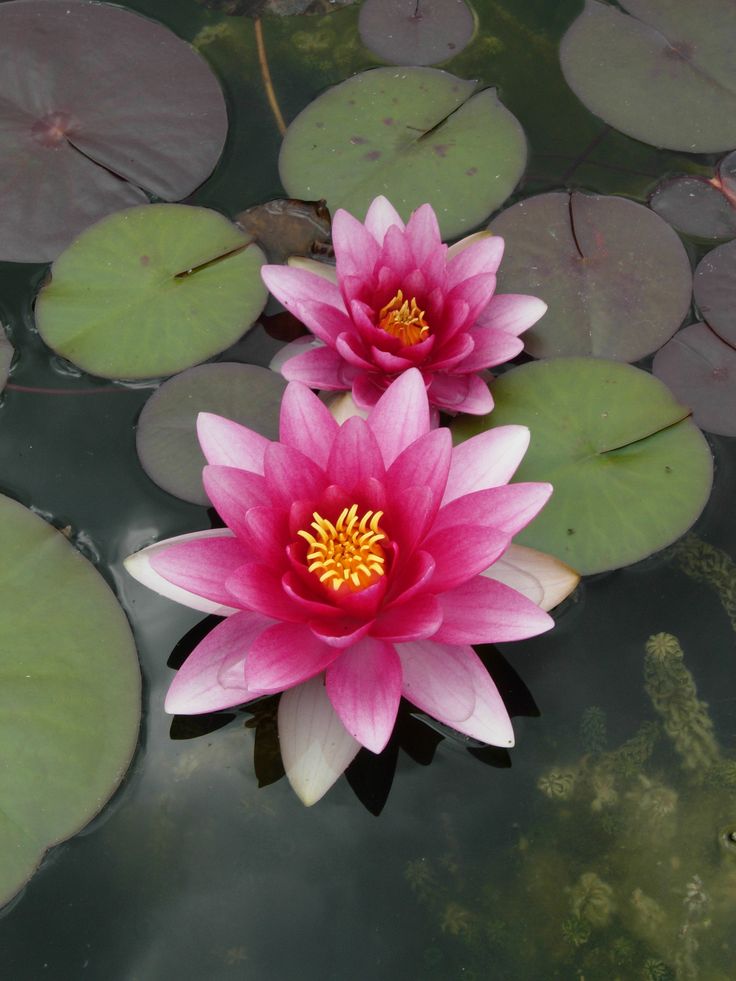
(413, 134)
(663, 72)
(631, 472)
(150, 291)
(616, 277)
(416, 32)
(166, 438)
(70, 693)
(6, 357)
(700, 369)
(100, 107)
(714, 286)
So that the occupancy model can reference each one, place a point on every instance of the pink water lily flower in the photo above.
(351, 572)
(398, 298)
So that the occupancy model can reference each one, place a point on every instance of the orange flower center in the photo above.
(403, 319)
(346, 553)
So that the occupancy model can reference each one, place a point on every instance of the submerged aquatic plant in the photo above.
(351, 574)
(399, 298)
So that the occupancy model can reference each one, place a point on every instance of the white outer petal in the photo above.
(290, 350)
(460, 246)
(343, 407)
(138, 565)
(540, 577)
(322, 269)
(315, 746)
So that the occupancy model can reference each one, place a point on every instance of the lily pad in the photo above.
(413, 134)
(663, 72)
(715, 290)
(700, 369)
(150, 291)
(631, 472)
(695, 206)
(70, 693)
(166, 438)
(415, 32)
(615, 276)
(6, 357)
(100, 108)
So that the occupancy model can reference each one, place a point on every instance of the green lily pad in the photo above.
(631, 472)
(166, 438)
(615, 276)
(413, 134)
(663, 73)
(6, 357)
(151, 290)
(69, 693)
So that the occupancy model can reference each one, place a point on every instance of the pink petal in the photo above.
(452, 685)
(255, 586)
(340, 632)
(486, 460)
(213, 676)
(415, 619)
(483, 611)
(232, 492)
(355, 455)
(292, 476)
(401, 415)
(423, 234)
(268, 531)
(542, 578)
(460, 393)
(409, 516)
(285, 655)
(350, 348)
(475, 293)
(480, 256)
(462, 552)
(228, 444)
(356, 250)
(306, 423)
(508, 509)
(201, 565)
(425, 463)
(315, 746)
(315, 301)
(491, 347)
(139, 567)
(413, 576)
(367, 389)
(317, 367)
(381, 215)
(364, 686)
(454, 352)
(392, 364)
(396, 253)
(511, 312)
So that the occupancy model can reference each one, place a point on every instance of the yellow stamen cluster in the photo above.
(403, 319)
(346, 553)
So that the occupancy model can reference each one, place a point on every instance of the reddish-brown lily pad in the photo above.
(715, 290)
(700, 369)
(99, 108)
(696, 206)
(415, 32)
(615, 276)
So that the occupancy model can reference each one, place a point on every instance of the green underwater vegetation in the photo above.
(627, 869)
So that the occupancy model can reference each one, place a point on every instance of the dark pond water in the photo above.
(592, 850)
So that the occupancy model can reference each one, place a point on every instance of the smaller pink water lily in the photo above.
(399, 298)
(357, 567)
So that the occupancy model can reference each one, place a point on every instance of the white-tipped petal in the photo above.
(322, 269)
(540, 577)
(315, 746)
(138, 565)
(463, 244)
(343, 407)
(290, 350)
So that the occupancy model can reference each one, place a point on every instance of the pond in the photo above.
(602, 845)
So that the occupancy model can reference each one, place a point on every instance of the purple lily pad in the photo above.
(100, 107)
(166, 437)
(615, 276)
(662, 71)
(696, 206)
(700, 370)
(715, 290)
(415, 32)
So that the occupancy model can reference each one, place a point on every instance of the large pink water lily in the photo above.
(351, 572)
(398, 298)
